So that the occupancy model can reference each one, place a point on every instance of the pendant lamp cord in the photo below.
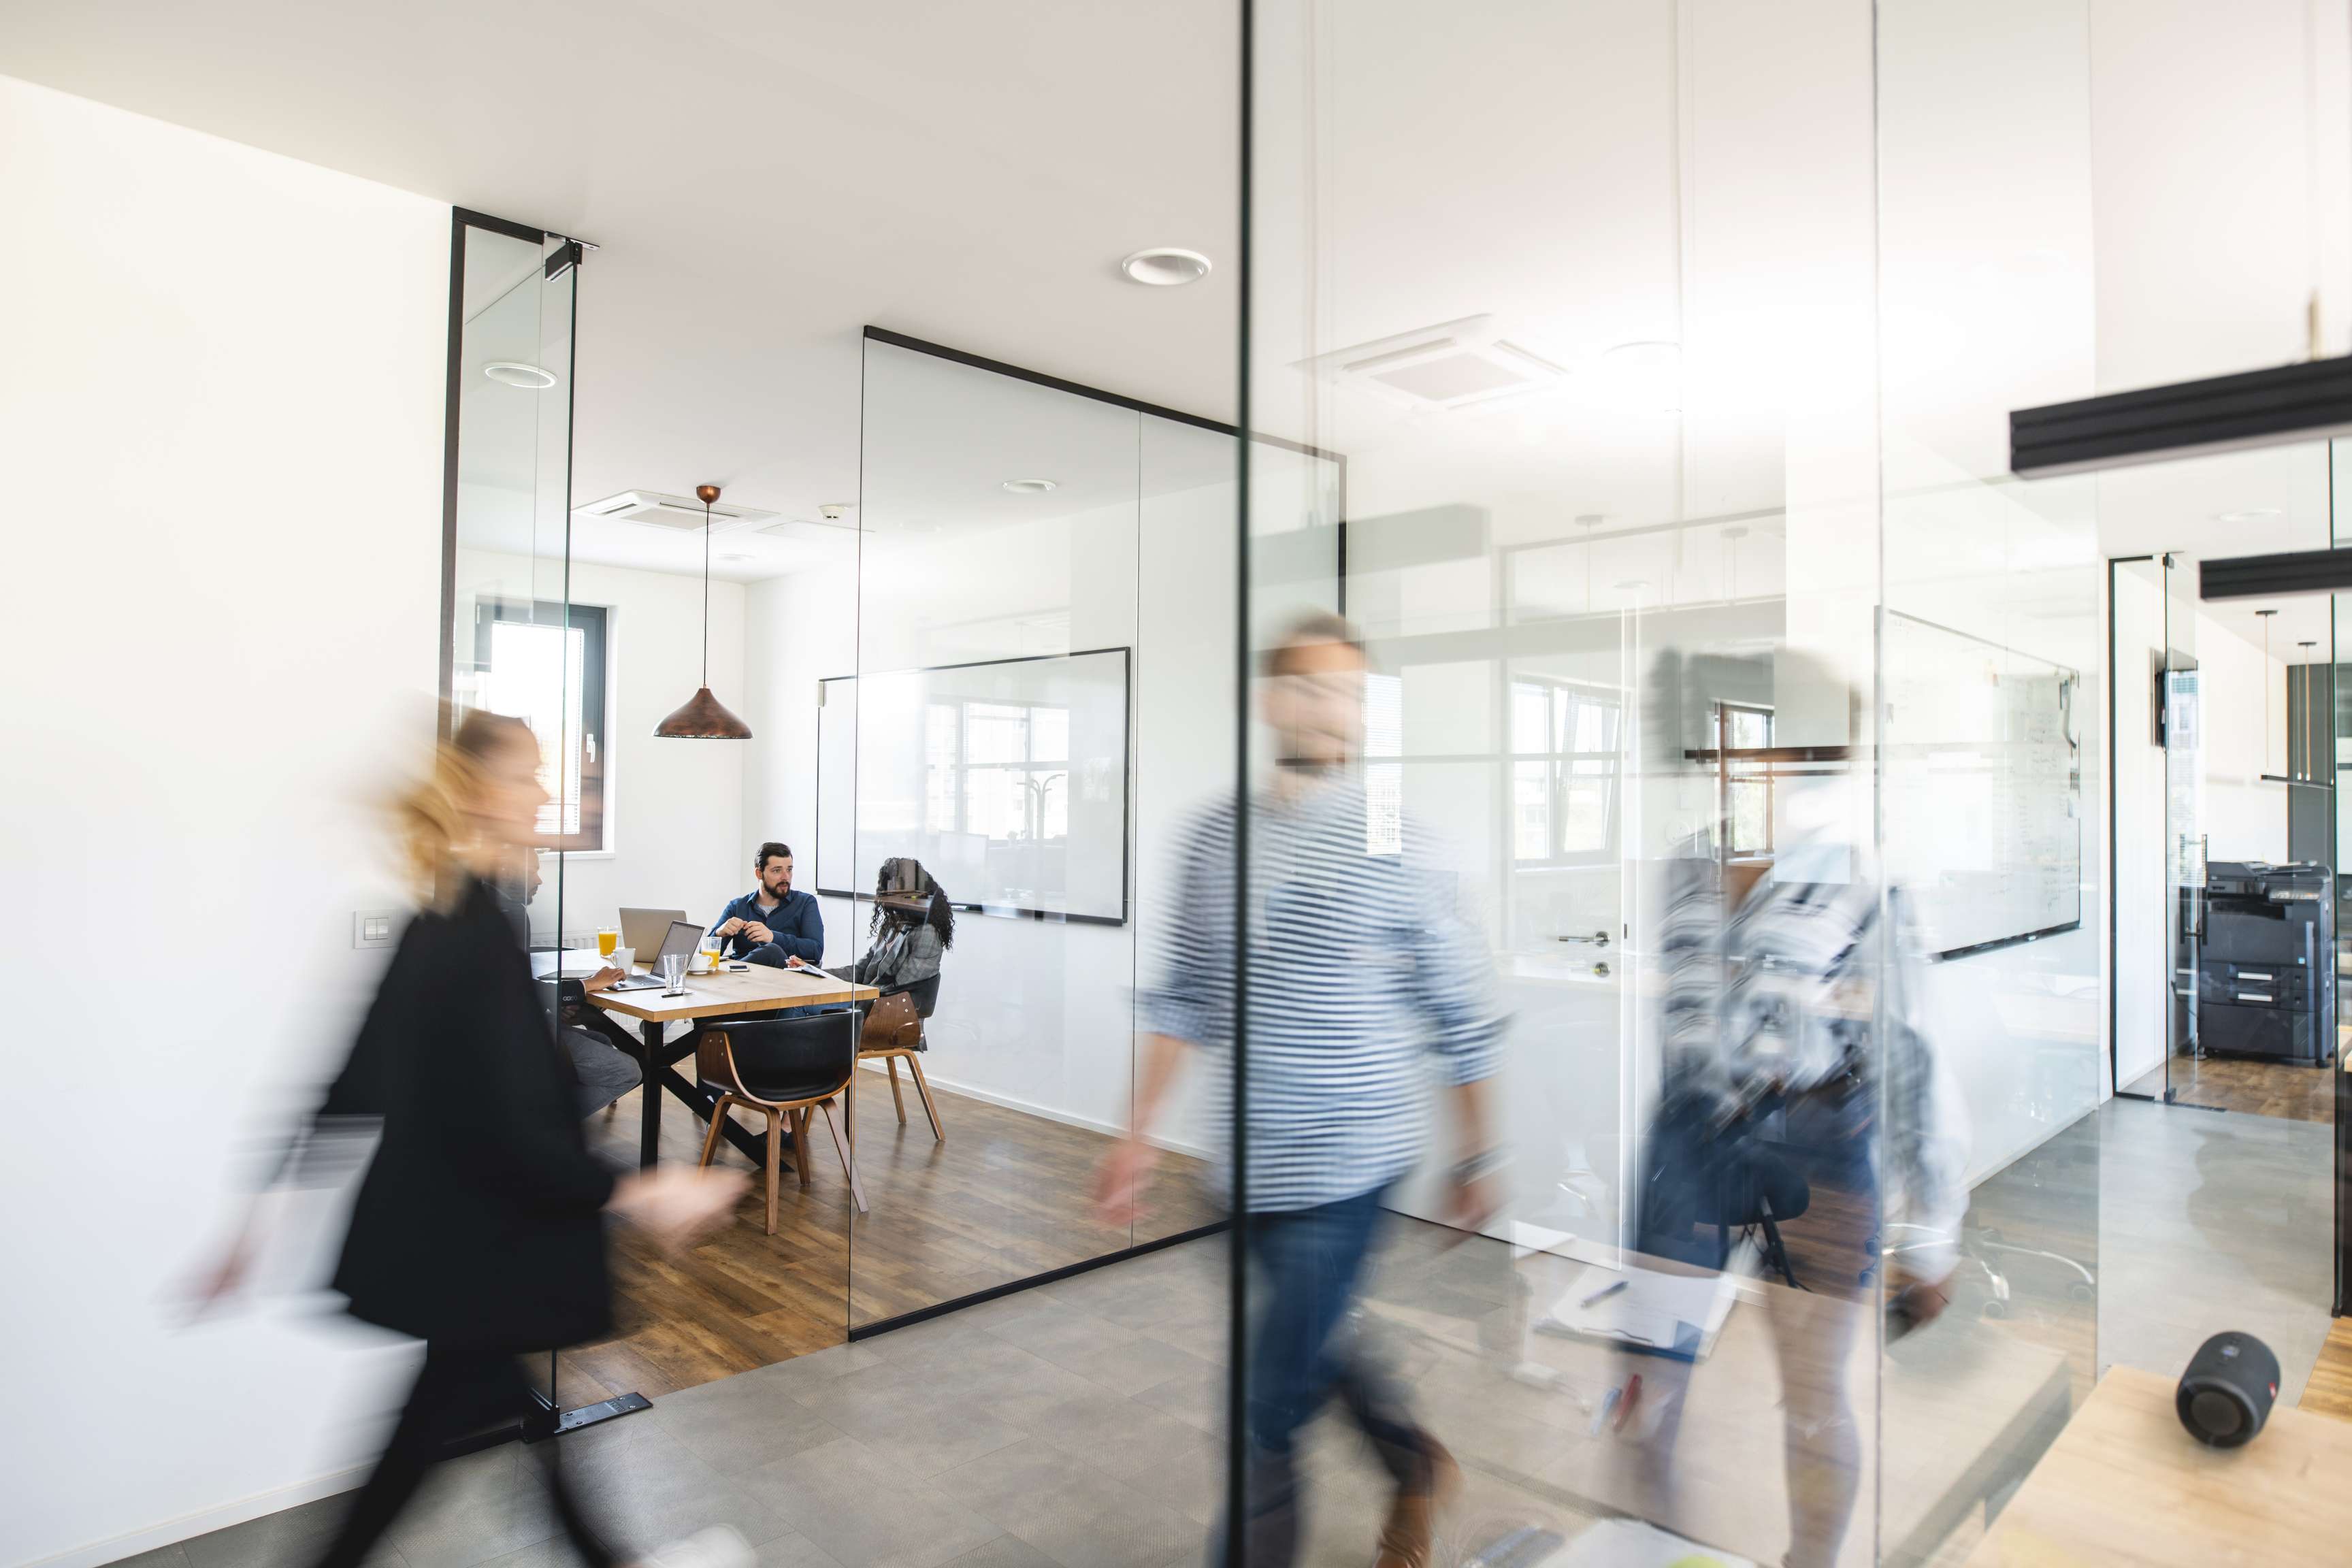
(705, 600)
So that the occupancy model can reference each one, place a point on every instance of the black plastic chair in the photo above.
(783, 1067)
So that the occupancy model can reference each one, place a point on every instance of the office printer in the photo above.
(2266, 973)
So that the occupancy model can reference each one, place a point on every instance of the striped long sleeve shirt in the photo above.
(1363, 977)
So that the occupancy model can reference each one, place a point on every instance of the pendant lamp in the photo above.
(703, 717)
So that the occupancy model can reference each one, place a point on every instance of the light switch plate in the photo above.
(372, 928)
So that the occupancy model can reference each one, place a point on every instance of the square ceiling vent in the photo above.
(1456, 364)
(680, 514)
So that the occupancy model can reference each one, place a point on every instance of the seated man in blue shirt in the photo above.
(772, 925)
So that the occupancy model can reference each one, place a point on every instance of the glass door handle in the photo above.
(1598, 939)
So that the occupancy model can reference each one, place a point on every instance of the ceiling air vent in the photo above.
(1456, 364)
(683, 514)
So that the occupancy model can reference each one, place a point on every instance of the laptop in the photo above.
(641, 932)
(682, 938)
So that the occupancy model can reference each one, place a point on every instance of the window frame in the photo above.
(593, 622)
(1761, 780)
(1559, 763)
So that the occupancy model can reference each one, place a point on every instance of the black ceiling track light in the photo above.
(2288, 403)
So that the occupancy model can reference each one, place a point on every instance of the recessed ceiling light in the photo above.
(2253, 514)
(1165, 266)
(1028, 487)
(514, 373)
(735, 555)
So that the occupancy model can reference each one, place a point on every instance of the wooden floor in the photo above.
(2256, 1088)
(1004, 1198)
(2329, 1392)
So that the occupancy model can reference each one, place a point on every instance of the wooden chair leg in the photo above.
(897, 1097)
(775, 1157)
(923, 1087)
(717, 1125)
(841, 1147)
(800, 1144)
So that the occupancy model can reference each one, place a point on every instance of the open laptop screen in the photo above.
(683, 937)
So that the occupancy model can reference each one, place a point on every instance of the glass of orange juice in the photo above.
(608, 939)
(710, 947)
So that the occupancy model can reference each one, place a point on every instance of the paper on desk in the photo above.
(1668, 1314)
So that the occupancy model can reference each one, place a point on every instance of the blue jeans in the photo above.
(1310, 1265)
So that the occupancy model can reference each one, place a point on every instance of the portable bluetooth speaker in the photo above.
(2227, 1392)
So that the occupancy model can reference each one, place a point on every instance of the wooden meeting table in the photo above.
(727, 994)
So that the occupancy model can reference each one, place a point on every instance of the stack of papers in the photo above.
(1675, 1315)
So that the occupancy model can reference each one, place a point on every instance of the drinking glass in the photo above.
(673, 967)
(712, 947)
(608, 938)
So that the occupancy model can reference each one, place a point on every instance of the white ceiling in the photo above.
(762, 179)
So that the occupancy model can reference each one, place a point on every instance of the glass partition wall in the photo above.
(1699, 616)
(511, 641)
(1038, 714)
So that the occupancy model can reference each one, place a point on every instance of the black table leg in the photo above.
(649, 1057)
(655, 1059)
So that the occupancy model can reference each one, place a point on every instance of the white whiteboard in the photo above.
(1983, 783)
(1008, 780)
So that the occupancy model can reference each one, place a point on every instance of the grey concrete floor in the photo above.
(1079, 1425)
(2211, 1220)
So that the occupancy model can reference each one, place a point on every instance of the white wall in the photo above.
(797, 630)
(220, 417)
(677, 836)
(1035, 1015)
(2243, 818)
(1988, 302)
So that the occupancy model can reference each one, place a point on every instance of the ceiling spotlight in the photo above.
(1165, 266)
(1028, 487)
(733, 555)
(2253, 514)
(514, 373)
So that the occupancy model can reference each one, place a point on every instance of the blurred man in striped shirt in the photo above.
(1362, 978)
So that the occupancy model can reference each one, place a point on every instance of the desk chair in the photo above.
(1768, 1189)
(892, 1029)
(783, 1068)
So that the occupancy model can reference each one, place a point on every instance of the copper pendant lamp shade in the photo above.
(703, 717)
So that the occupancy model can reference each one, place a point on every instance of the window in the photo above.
(1000, 770)
(1564, 772)
(549, 669)
(1747, 784)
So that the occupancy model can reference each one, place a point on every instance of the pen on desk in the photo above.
(1608, 1404)
(1604, 1293)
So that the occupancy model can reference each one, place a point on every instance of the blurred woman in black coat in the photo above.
(479, 1226)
